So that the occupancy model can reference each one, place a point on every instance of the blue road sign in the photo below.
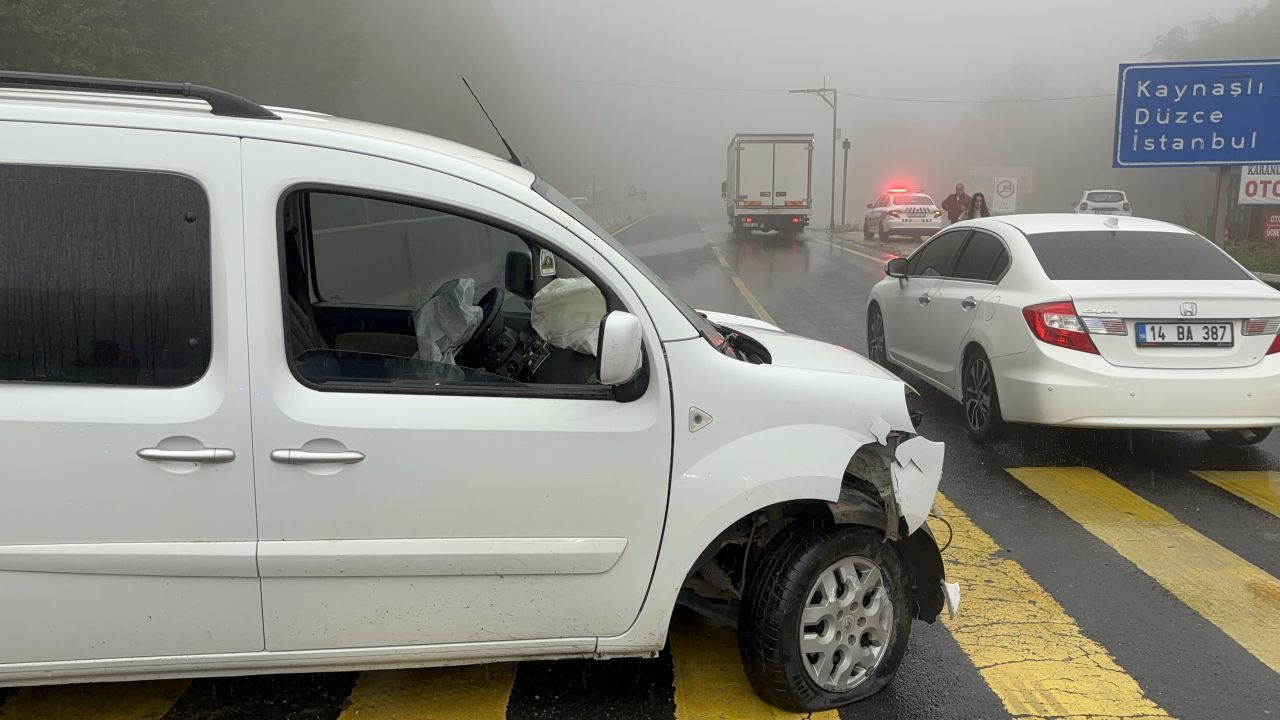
(1198, 113)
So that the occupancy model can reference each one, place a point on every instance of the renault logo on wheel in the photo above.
(1188, 309)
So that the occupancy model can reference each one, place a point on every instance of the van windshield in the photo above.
(704, 326)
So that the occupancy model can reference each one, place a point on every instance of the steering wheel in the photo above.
(487, 332)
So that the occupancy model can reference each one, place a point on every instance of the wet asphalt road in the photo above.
(818, 286)
(1066, 612)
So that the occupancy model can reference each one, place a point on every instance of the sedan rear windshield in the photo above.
(1105, 197)
(912, 200)
(1132, 255)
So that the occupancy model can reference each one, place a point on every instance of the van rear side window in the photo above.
(104, 277)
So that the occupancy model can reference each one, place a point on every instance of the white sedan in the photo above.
(1085, 321)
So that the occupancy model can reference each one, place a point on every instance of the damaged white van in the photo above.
(283, 392)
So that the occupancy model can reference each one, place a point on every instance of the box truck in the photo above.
(770, 183)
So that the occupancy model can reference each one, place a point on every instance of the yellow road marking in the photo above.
(470, 692)
(851, 250)
(709, 681)
(1259, 488)
(1027, 649)
(756, 307)
(750, 297)
(94, 701)
(624, 227)
(1228, 591)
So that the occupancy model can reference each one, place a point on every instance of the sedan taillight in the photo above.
(1264, 326)
(1126, 207)
(1057, 323)
(1084, 206)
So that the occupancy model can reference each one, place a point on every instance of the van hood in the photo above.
(796, 351)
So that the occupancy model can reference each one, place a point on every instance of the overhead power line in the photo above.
(856, 96)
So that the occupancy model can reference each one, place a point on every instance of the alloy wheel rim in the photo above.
(878, 354)
(846, 624)
(977, 394)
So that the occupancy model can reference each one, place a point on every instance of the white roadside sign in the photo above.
(1005, 196)
(1260, 185)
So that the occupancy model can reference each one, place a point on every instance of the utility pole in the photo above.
(844, 184)
(829, 96)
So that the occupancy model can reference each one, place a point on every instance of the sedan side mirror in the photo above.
(620, 351)
(897, 267)
(870, 205)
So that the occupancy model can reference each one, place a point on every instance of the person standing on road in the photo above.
(977, 208)
(956, 203)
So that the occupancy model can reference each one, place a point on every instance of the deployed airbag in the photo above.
(445, 321)
(567, 313)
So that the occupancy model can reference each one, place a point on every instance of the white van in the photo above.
(283, 392)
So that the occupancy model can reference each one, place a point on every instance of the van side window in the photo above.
(104, 277)
(384, 295)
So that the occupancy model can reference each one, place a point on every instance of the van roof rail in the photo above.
(220, 102)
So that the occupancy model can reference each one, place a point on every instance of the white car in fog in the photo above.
(1103, 202)
(1084, 321)
(900, 211)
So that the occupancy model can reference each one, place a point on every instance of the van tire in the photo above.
(778, 591)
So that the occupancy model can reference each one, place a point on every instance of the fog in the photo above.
(647, 94)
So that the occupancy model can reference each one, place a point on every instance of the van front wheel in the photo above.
(825, 618)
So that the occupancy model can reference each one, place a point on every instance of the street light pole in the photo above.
(829, 96)
(844, 184)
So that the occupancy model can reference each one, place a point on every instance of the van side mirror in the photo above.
(620, 350)
(724, 189)
(897, 267)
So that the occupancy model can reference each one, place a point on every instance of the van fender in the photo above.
(775, 465)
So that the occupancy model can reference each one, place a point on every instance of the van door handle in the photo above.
(969, 303)
(924, 299)
(295, 456)
(203, 455)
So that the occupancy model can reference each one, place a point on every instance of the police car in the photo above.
(901, 211)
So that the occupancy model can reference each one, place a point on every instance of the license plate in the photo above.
(1185, 335)
(1103, 212)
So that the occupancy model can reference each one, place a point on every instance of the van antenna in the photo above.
(515, 159)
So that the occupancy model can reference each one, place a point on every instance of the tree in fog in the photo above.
(1249, 35)
(284, 51)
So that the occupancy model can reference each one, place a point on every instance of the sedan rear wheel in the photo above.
(981, 402)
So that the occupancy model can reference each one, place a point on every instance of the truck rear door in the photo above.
(791, 165)
(755, 173)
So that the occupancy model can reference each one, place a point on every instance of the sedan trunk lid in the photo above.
(1109, 307)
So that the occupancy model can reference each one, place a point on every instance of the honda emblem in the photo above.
(1188, 309)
